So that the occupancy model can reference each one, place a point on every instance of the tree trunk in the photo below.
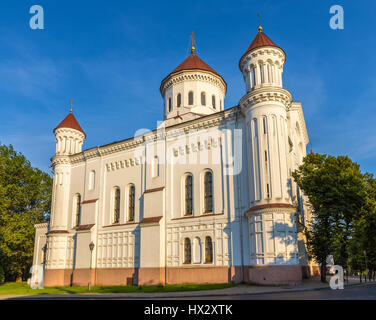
(323, 271)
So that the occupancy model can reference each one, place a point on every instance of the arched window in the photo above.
(187, 251)
(203, 99)
(178, 100)
(188, 195)
(116, 205)
(169, 105)
(213, 101)
(131, 200)
(208, 250)
(208, 192)
(190, 98)
(92, 180)
(253, 75)
(77, 209)
(262, 73)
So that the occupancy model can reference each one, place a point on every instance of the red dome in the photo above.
(70, 122)
(193, 62)
(261, 40)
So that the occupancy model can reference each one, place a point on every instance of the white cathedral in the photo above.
(206, 197)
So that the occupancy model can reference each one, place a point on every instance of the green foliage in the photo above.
(25, 199)
(336, 191)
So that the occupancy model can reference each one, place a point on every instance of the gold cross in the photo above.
(193, 38)
(71, 105)
(259, 18)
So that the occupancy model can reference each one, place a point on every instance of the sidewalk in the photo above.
(242, 289)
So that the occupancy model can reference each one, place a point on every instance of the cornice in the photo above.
(193, 75)
(266, 94)
(61, 159)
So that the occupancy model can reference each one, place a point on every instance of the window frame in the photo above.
(208, 193)
(187, 251)
(116, 198)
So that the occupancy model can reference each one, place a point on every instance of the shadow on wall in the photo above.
(74, 259)
(137, 245)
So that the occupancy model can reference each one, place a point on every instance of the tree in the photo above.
(25, 199)
(363, 239)
(335, 189)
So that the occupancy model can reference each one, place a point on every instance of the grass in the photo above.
(21, 288)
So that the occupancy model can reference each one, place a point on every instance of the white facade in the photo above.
(136, 206)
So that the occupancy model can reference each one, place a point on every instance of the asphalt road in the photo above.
(357, 292)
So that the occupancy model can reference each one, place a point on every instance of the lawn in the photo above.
(22, 288)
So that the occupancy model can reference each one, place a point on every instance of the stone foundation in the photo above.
(275, 275)
(265, 275)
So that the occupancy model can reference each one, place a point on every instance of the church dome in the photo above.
(261, 40)
(71, 123)
(193, 62)
(192, 89)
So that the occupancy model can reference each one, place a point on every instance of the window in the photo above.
(190, 98)
(208, 250)
(265, 125)
(169, 105)
(262, 73)
(187, 251)
(220, 104)
(188, 195)
(208, 192)
(155, 167)
(253, 74)
(77, 210)
(92, 180)
(203, 99)
(178, 100)
(213, 101)
(131, 201)
(116, 205)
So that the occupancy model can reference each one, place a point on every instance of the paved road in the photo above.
(356, 292)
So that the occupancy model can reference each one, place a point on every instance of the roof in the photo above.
(193, 62)
(261, 40)
(70, 122)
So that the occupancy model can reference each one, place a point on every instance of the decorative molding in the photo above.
(200, 216)
(193, 75)
(266, 94)
(84, 227)
(57, 232)
(151, 220)
(89, 201)
(153, 190)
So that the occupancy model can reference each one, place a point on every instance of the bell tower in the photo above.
(271, 213)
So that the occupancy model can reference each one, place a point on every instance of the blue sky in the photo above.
(110, 56)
